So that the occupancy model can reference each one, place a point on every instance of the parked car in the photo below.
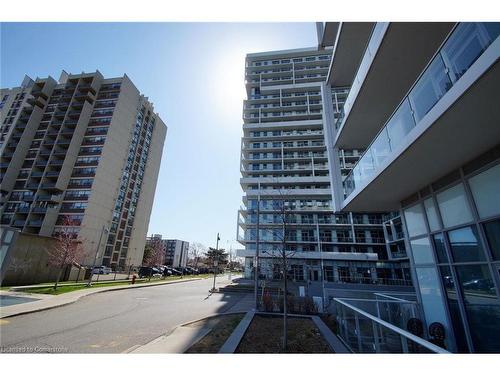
(149, 271)
(193, 271)
(167, 272)
(174, 271)
(101, 270)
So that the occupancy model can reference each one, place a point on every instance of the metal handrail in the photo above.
(399, 331)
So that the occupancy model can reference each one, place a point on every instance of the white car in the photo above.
(102, 270)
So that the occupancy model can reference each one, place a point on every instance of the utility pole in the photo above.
(256, 265)
(216, 261)
(95, 258)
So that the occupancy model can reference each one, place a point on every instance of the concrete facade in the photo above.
(84, 147)
(24, 259)
(176, 251)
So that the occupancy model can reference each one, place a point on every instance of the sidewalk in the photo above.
(184, 336)
(46, 302)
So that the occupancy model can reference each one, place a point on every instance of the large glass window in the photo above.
(455, 315)
(482, 307)
(430, 291)
(485, 189)
(492, 230)
(422, 251)
(415, 220)
(465, 245)
(440, 248)
(454, 207)
(433, 84)
(432, 215)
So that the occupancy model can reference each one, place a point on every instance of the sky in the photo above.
(194, 75)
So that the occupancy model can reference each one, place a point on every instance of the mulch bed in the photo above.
(265, 335)
(222, 327)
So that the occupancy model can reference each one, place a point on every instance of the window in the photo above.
(481, 305)
(492, 230)
(415, 220)
(465, 245)
(440, 248)
(454, 207)
(485, 189)
(432, 215)
(432, 302)
(422, 252)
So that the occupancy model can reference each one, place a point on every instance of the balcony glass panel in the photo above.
(467, 43)
(400, 125)
(381, 148)
(431, 87)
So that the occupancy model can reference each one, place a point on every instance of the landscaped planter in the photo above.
(265, 335)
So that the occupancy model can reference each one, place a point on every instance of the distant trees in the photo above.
(67, 250)
(154, 254)
(196, 252)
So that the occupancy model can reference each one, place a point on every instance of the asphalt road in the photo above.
(115, 321)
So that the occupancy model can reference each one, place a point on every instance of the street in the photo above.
(113, 322)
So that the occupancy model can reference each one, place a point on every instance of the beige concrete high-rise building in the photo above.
(83, 147)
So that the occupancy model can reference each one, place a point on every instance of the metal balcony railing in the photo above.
(365, 332)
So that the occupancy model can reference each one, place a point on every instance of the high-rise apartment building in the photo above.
(423, 103)
(284, 162)
(176, 251)
(87, 148)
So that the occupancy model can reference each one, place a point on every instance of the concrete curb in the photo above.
(136, 347)
(233, 341)
(10, 311)
(335, 344)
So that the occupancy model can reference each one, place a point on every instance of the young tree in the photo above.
(67, 250)
(282, 255)
(196, 251)
(155, 255)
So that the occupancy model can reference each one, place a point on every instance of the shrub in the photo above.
(267, 302)
(310, 307)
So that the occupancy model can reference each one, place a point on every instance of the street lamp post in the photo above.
(104, 229)
(216, 261)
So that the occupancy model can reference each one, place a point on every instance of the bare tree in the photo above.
(155, 255)
(282, 207)
(67, 250)
(196, 251)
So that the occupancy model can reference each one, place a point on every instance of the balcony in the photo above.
(19, 223)
(457, 89)
(397, 52)
(35, 223)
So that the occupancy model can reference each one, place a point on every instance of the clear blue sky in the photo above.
(194, 75)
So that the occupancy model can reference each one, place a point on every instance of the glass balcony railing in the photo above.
(380, 330)
(464, 46)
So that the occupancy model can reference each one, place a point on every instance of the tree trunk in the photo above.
(63, 263)
(58, 277)
(285, 302)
